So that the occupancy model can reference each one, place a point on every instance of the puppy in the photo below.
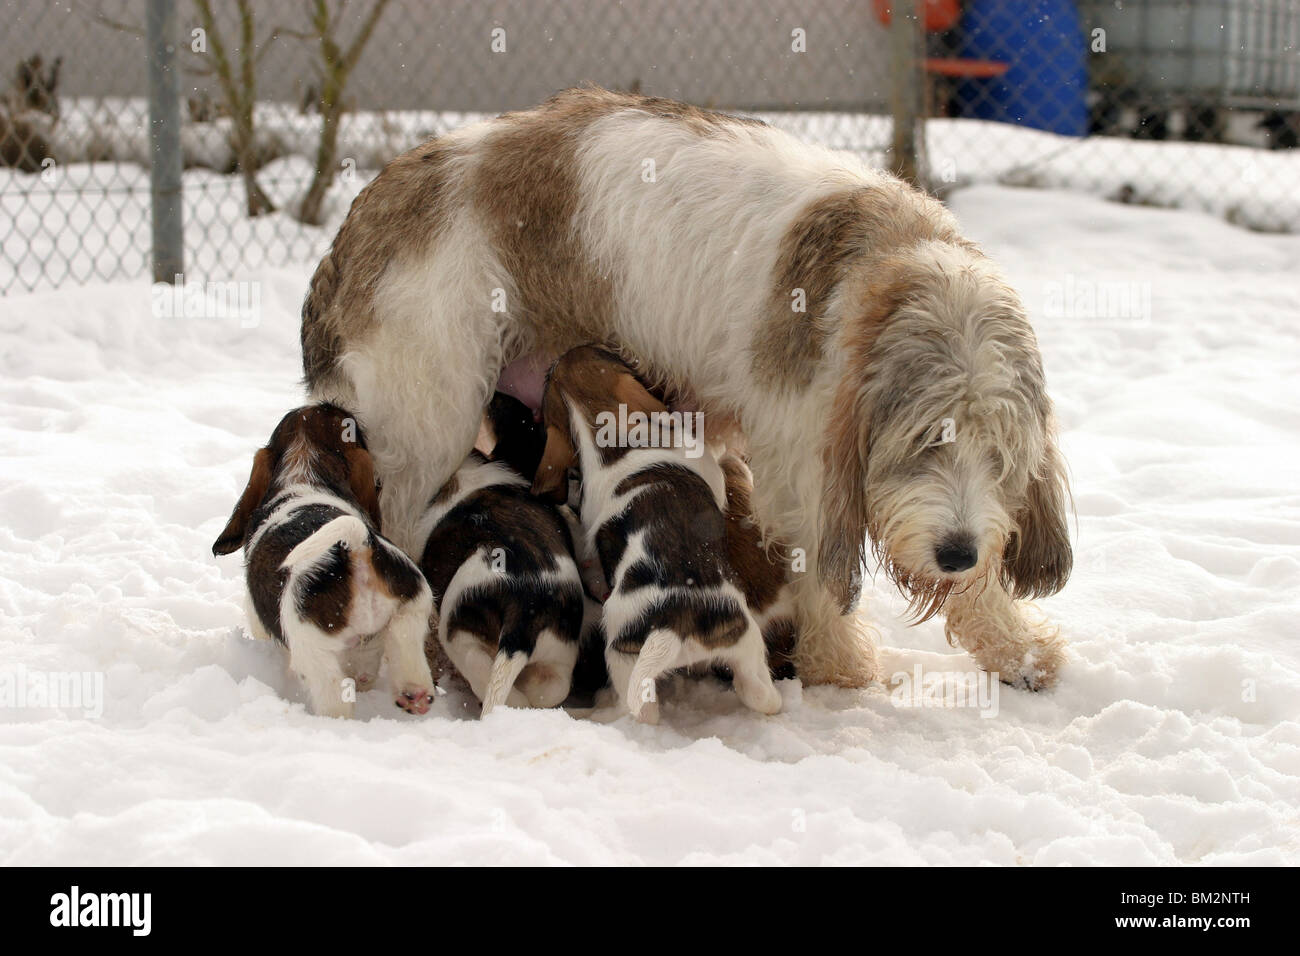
(500, 562)
(653, 511)
(321, 579)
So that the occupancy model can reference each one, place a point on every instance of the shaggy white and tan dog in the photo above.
(881, 368)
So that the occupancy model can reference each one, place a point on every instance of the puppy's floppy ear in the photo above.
(518, 438)
(232, 536)
(629, 391)
(361, 479)
(842, 537)
(552, 478)
(1038, 557)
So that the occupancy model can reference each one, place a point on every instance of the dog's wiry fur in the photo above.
(546, 229)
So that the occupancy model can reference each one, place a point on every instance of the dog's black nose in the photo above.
(956, 556)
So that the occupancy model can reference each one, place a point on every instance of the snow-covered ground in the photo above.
(1172, 341)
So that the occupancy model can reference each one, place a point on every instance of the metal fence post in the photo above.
(165, 141)
(906, 38)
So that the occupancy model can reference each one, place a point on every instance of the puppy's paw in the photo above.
(649, 712)
(765, 700)
(414, 700)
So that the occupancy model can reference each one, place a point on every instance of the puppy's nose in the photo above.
(956, 556)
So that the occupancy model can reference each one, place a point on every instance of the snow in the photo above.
(88, 217)
(1174, 735)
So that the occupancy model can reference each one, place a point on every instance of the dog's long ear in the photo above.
(629, 391)
(232, 536)
(361, 479)
(519, 440)
(1038, 557)
(842, 536)
(552, 478)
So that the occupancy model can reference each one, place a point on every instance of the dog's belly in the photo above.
(525, 379)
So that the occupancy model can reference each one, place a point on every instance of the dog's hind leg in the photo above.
(750, 674)
(619, 665)
(419, 380)
(474, 663)
(546, 680)
(362, 662)
(315, 657)
(408, 667)
(992, 628)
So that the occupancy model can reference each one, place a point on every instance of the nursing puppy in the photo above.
(881, 366)
(654, 514)
(321, 579)
(505, 583)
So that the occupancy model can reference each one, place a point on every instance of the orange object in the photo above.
(938, 15)
(957, 66)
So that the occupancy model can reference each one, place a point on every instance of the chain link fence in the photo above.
(287, 107)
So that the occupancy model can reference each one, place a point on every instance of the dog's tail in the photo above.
(658, 654)
(505, 671)
(513, 652)
(346, 530)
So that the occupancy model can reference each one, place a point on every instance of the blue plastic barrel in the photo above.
(1047, 83)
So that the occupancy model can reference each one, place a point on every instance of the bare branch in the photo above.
(367, 28)
(97, 14)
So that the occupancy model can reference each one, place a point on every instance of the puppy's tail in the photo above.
(347, 530)
(514, 648)
(658, 654)
(501, 680)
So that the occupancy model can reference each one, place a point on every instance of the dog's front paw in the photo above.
(1036, 663)
(1042, 664)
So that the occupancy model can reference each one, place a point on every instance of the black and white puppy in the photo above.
(505, 583)
(652, 505)
(321, 579)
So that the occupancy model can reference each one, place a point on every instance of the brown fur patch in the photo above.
(522, 178)
(399, 213)
(843, 531)
(780, 636)
(1038, 558)
(526, 187)
(760, 574)
(446, 491)
(589, 380)
(833, 235)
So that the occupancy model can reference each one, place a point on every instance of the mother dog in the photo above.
(882, 370)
